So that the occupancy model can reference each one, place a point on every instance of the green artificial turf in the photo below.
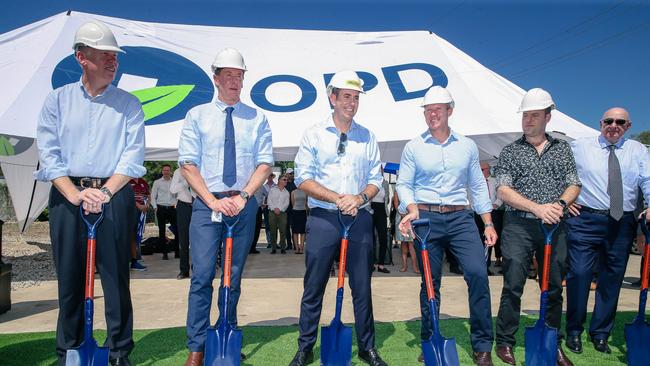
(398, 344)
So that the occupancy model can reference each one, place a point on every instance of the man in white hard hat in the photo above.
(107, 124)
(537, 180)
(612, 169)
(225, 152)
(439, 170)
(338, 167)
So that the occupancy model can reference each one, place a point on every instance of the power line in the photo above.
(580, 51)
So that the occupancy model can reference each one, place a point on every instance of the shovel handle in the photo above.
(343, 257)
(227, 262)
(646, 253)
(426, 264)
(548, 239)
(90, 268)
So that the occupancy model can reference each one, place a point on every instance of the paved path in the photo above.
(271, 292)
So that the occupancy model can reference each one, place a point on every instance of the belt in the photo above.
(226, 194)
(88, 182)
(164, 206)
(441, 208)
(600, 212)
(524, 214)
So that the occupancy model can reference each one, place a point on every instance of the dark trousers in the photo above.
(256, 233)
(69, 243)
(324, 238)
(183, 217)
(457, 232)
(206, 238)
(165, 214)
(519, 239)
(497, 220)
(596, 240)
(380, 225)
(288, 231)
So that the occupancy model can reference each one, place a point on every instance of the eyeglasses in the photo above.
(618, 121)
(342, 140)
(284, 180)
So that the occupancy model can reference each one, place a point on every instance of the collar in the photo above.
(604, 143)
(329, 125)
(453, 136)
(108, 89)
(551, 140)
(222, 106)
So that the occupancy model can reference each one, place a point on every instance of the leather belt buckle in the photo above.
(87, 182)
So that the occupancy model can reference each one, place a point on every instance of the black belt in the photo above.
(88, 182)
(164, 206)
(600, 212)
(524, 214)
(226, 194)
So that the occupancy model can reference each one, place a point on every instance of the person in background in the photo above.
(266, 187)
(299, 220)
(380, 225)
(181, 189)
(278, 202)
(259, 197)
(141, 192)
(406, 241)
(164, 204)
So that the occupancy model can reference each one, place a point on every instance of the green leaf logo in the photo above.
(6, 148)
(158, 100)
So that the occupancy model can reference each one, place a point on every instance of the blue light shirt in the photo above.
(83, 136)
(437, 173)
(202, 142)
(591, 155)
(348, 173)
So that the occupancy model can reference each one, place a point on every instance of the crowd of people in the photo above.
(589, 188)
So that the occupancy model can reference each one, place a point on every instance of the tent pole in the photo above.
(31, 200)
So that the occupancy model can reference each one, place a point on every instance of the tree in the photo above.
(642, 137)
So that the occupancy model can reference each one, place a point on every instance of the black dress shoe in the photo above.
(371, 357)
(383, 270)
(182, 276)
(165, 257)
(254, 251)
(302, 358)
(574, 343)
(120, 361)
(601, 345)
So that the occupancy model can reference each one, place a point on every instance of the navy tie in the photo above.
(229, 152)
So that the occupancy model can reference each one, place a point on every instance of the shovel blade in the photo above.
(223, 345)
(87, 354)
(336, 345)
(637, 339)
(439, 351)
(541, 345)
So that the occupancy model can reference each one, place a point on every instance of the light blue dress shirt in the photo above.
(202, 142)
(431, 172)
(349, 173)
(591, 155)
(83, 136)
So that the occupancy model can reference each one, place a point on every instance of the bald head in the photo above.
(614, 124)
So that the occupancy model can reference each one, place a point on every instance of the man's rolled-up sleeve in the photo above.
(132, 158)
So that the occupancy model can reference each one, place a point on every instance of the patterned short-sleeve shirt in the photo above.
(541, 178)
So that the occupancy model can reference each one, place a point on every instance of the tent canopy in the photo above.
(167, 66)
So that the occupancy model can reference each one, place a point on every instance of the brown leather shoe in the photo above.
(194, 359)
(506, 355)
(562, 359)
(483, 358)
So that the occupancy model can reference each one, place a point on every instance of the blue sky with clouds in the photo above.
(591, 55)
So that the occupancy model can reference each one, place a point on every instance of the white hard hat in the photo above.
(536, 99)
(96, 35)
(229, 57)
(437, 94)
(345, 79)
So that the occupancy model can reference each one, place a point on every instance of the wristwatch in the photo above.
(244, 195)
(364, 198)
(107, 193)
(562, 203)
(489, 224)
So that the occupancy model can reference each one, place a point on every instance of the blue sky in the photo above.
(591, 55)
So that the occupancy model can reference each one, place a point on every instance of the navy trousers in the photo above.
(324, 240)
(457, 231)
(207, 238)
(596, 239)
(69, 243)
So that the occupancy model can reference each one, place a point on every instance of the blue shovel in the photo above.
(541, 340)
(336, 339)
(223, 342)
(437, 350)
(89, 353)
(637, 333)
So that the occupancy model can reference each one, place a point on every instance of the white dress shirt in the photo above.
(161, 195)
(180, 187)
(278, 198)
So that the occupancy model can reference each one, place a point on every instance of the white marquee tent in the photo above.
(168, 67)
